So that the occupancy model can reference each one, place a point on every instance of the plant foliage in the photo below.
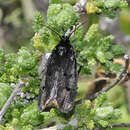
(91, 48)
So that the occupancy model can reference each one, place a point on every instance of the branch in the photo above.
(79, 8)
(10, 99)
(118, 79)
(50, 128)
(110, 126)
(60, 126)
(119, 125)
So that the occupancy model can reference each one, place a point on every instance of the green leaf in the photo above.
(103, 123)
(117, 114)
(118, 50)
(109, 55)
(68, 127)
(123, 4)
(91, 32)
(106, 43)
(53, 10)
(104, 112)
(31, 115)
(111, 3)
(55, 1)
(38, 22)
(116, 67)
(100, 56)
(5, 91)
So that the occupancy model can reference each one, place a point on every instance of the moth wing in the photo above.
(62, 62)
(67, 87)
(47, 82)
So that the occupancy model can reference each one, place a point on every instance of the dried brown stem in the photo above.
(118, 79)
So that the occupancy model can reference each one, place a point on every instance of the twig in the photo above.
(79, 8)
(118, 79)
(119, 125)
(50, 128)
(110, 126)
(11, 98)
(60, 126)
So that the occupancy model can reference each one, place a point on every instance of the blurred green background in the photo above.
(16, 18)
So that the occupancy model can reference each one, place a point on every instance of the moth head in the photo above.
(65, 39)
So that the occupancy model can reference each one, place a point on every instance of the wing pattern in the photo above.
(60, 82)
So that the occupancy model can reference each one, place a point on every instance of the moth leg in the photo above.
(80, 67)
(52, 96)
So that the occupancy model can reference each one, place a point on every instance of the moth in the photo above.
(60, 81)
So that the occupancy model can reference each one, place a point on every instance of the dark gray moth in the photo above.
(60, 81)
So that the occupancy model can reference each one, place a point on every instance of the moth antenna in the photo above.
(75, 27)
(52, 29)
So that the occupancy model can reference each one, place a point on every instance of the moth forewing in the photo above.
(60, 78)
(68, 85)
